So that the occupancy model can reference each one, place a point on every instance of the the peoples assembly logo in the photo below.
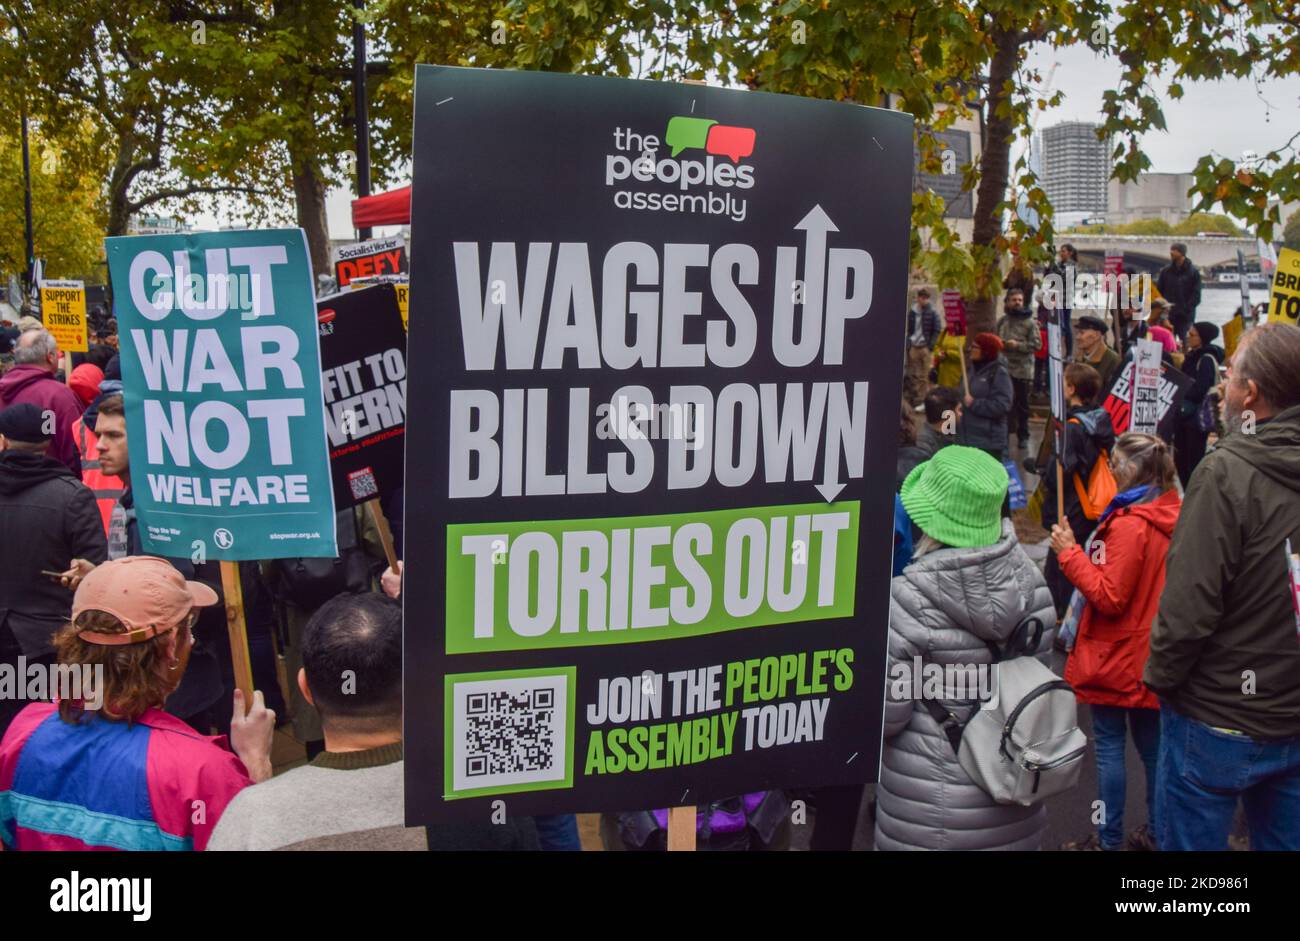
(637, 160)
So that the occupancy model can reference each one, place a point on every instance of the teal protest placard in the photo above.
(221, 378)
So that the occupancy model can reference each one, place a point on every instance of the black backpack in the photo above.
(308, 583)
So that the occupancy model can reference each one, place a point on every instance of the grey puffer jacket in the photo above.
(944, 607)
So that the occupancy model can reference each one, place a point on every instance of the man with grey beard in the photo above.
(1225, 657)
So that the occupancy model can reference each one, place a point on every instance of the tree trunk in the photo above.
(119, 211)
(994, 172)
(309, 191)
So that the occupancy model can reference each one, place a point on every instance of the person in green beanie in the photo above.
(969, 585)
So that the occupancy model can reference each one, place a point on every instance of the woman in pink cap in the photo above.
(104, 767)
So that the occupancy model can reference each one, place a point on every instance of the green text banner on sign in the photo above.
(654, 398)
(221, 377)
(676, 575)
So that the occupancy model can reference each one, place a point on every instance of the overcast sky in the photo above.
(1225, 118)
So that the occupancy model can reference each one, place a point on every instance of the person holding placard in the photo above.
(116, 771)
(1120, 574)
(1087, 434)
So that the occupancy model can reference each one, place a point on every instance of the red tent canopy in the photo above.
(391, 208)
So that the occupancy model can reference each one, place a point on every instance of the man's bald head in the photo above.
(37, 348)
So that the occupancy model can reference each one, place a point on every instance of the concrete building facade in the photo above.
(1075, 168)
(1150, 196)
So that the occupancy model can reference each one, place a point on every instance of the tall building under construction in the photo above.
(1075, 169)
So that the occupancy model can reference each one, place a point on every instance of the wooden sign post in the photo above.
(1060, 491)
(385, 534)
(238, 630)
(681, 829)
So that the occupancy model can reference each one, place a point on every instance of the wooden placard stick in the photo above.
(681, 829)
(1060, 491)
(238, 630)
(385, 534)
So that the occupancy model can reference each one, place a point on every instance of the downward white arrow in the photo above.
(846, 429)
(830, 489)
(816, 224)
(831, 484)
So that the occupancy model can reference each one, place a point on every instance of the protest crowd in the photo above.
(1157, 577)
(1160, 597)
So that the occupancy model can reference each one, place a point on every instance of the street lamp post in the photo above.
(27, 204)
(360, 107)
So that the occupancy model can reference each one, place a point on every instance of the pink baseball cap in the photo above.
(144, 592)
(1163, 337)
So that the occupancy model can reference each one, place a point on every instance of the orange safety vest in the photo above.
(106, 489)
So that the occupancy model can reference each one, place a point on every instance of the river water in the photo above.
(1219, 303)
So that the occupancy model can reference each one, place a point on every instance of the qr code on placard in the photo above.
(509, 730)
(362, 483)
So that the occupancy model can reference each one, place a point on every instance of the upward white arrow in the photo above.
(816, 224)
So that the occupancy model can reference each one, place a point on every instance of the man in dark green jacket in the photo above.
(1225, 655)
(1021, 339)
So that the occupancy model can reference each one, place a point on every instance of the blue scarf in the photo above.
(1139, 494)
(902, 537)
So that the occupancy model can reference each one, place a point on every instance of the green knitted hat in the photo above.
(956, 497)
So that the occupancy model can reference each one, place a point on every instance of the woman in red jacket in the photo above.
(1120, 575)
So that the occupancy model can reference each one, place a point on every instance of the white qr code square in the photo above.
(509, 731)
(362, 484)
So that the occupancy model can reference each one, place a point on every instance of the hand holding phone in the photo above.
(79, 569)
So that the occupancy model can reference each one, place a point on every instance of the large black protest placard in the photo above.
(654, 421)
(1118, 399)
(363, 377)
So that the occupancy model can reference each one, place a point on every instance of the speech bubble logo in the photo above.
(684, 132)
(733, 142)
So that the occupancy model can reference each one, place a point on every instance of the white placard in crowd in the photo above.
(1146, 387)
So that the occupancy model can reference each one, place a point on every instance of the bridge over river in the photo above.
(1151, 252)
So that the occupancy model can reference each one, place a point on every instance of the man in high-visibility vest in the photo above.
(106, 487)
